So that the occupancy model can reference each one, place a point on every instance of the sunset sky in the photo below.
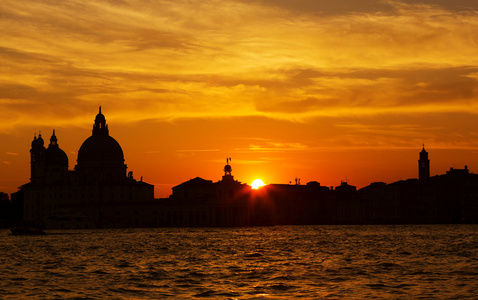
(320, 90)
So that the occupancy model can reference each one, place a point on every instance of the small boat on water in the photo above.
(27, 231)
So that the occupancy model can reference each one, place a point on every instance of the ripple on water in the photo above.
(247, 263)
(253, 255)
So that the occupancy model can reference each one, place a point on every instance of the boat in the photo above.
(27, 231)
(69, 220)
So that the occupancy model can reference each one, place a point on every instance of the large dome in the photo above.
(100, 158)
(100, 148)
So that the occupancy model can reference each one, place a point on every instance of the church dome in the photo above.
(100, 157)
(54, 156)
(100, 148)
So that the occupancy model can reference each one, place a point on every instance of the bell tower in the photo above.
(423, 165)
(37, 160)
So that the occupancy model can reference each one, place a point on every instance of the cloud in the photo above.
(293, 61)
(199, 150)
(376, 90)
(347, 7)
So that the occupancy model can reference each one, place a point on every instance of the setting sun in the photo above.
(257, 184)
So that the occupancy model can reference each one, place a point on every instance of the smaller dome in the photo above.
(55, 157)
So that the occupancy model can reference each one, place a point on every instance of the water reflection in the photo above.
(243, 263)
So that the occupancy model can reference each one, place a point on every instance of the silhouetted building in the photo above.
(448, 198)
(97, 193)
(295, 204)
(423, 165)
(196, 189)
(100, 193)
(200, 202)
(9, 212)
(47, 165)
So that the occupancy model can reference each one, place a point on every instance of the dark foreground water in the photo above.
(243, 263)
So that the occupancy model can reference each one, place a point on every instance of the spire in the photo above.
(424, 153)
(53, 139)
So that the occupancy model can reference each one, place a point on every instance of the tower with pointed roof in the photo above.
(423, 165)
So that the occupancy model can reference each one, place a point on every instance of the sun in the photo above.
(257, 184)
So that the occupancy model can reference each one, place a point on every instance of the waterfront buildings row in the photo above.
(99, 192)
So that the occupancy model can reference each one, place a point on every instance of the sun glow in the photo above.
(257, 184)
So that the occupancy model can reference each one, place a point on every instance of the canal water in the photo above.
(282, 262)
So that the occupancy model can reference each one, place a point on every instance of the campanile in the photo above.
(423, 165)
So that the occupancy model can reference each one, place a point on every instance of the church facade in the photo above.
(97, 193)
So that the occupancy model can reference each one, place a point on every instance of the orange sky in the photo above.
(321, 90)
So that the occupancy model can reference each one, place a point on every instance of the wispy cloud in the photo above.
(182, 59)
(199, 150)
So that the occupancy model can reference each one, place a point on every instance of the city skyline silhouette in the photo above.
(101, 193)
(291, 178)
(312, 90)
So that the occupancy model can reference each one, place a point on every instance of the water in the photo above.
(397, 262)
